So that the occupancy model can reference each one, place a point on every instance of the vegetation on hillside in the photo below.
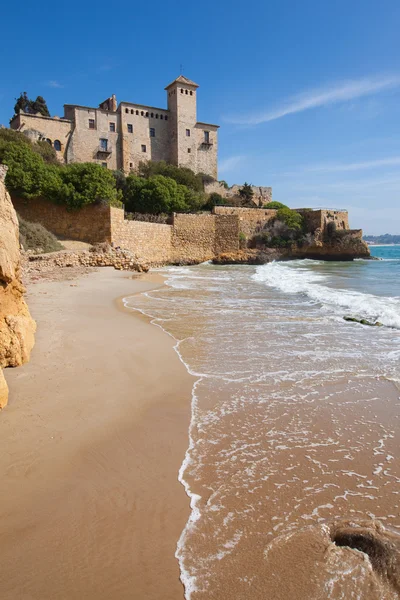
(274, 205)
(33, 171)
(286, 228)
(33, 236)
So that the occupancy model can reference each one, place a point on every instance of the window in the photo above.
(103, 144)
(141, 113)
(104, 165)
(130, 128)
(189, 150)
(152, 132)
(132, 111)
(156, 115)
(127, 110)
(181, 91)
(112, 127)
(49, 141)
(191, 93)
(152, 115)
(57, 145)
(166, 117)
(143, 148)
(131, 165)
(206, 137)
(91, 124)
(186, 92)
(161, 117)
(137, 112)
(147, 114)
(187, 132)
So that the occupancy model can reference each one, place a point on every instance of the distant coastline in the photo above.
(387, 239)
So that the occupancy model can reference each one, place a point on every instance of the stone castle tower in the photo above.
(121, 136)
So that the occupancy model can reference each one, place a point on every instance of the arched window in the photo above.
(57, 145)
(191, 93)
(137, 112)
(161, 117)
(156, 115)
(49, 141)
(186, 92)
(131, 111)
(142, 113)
(152, 115)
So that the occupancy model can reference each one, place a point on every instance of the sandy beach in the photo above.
(90, 447)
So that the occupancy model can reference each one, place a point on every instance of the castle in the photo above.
(121, 136)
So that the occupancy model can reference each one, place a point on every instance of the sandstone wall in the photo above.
(262, 195)
(50, 128)
(90, 224)
(17, 327)
(151, 242)
(319, 218)
(250, 219)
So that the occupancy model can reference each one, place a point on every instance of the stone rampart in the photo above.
(151, 242)
(90, 224)
(250, 219)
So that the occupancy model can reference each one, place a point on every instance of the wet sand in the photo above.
(90, 446)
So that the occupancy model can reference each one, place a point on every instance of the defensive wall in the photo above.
(190, 239)
(90, 224)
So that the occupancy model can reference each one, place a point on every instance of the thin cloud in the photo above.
(339, 92)
(346, 167)
(228, 164)
(54, 84)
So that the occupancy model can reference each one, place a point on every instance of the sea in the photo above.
(292, 468)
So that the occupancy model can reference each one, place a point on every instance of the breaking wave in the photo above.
(292, 280)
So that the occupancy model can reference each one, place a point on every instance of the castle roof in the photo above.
(182, 79)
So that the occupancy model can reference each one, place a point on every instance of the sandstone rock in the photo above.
(17, 327)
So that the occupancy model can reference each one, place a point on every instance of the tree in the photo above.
(182, 175)
(155, 195)
(28, 175)
(26, 105)
(214, 199)
(86, 183)
(246, 193)
(293, 220)
(274, 204)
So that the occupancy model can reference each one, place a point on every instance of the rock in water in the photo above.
(17, 327)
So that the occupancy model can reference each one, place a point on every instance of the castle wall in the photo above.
(319, 219)
(89, 224)
(85, 142)
(52, 128)
(142, 119)
(152, 242)
(250, 219)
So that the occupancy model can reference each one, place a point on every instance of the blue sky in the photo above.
(307, 93)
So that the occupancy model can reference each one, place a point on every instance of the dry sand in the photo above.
(90, 447)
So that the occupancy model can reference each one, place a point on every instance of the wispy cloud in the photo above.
(339, 92)
(54, 84)
(346, 167)
(228, 164)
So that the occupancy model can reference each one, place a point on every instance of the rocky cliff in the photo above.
(343, 246)
(17, 327)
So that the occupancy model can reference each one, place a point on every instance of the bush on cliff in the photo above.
(155, 195)
(43, 148)
(214, 199)
(291, 218)
(275, 205)
(85, 183)
(182, 175)
(28, 175)
(33, 236)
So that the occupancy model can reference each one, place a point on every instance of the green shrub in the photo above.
(46, 151)
(182, 175)
(33, 236)
(155, 195)
(214, 199)
(86, 183)
(275, 205)
(246, 192)
(27, 172)
(291, 218)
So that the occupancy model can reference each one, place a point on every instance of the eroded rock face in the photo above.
(17, 327)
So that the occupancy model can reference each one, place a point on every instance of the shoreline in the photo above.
(93, 505)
